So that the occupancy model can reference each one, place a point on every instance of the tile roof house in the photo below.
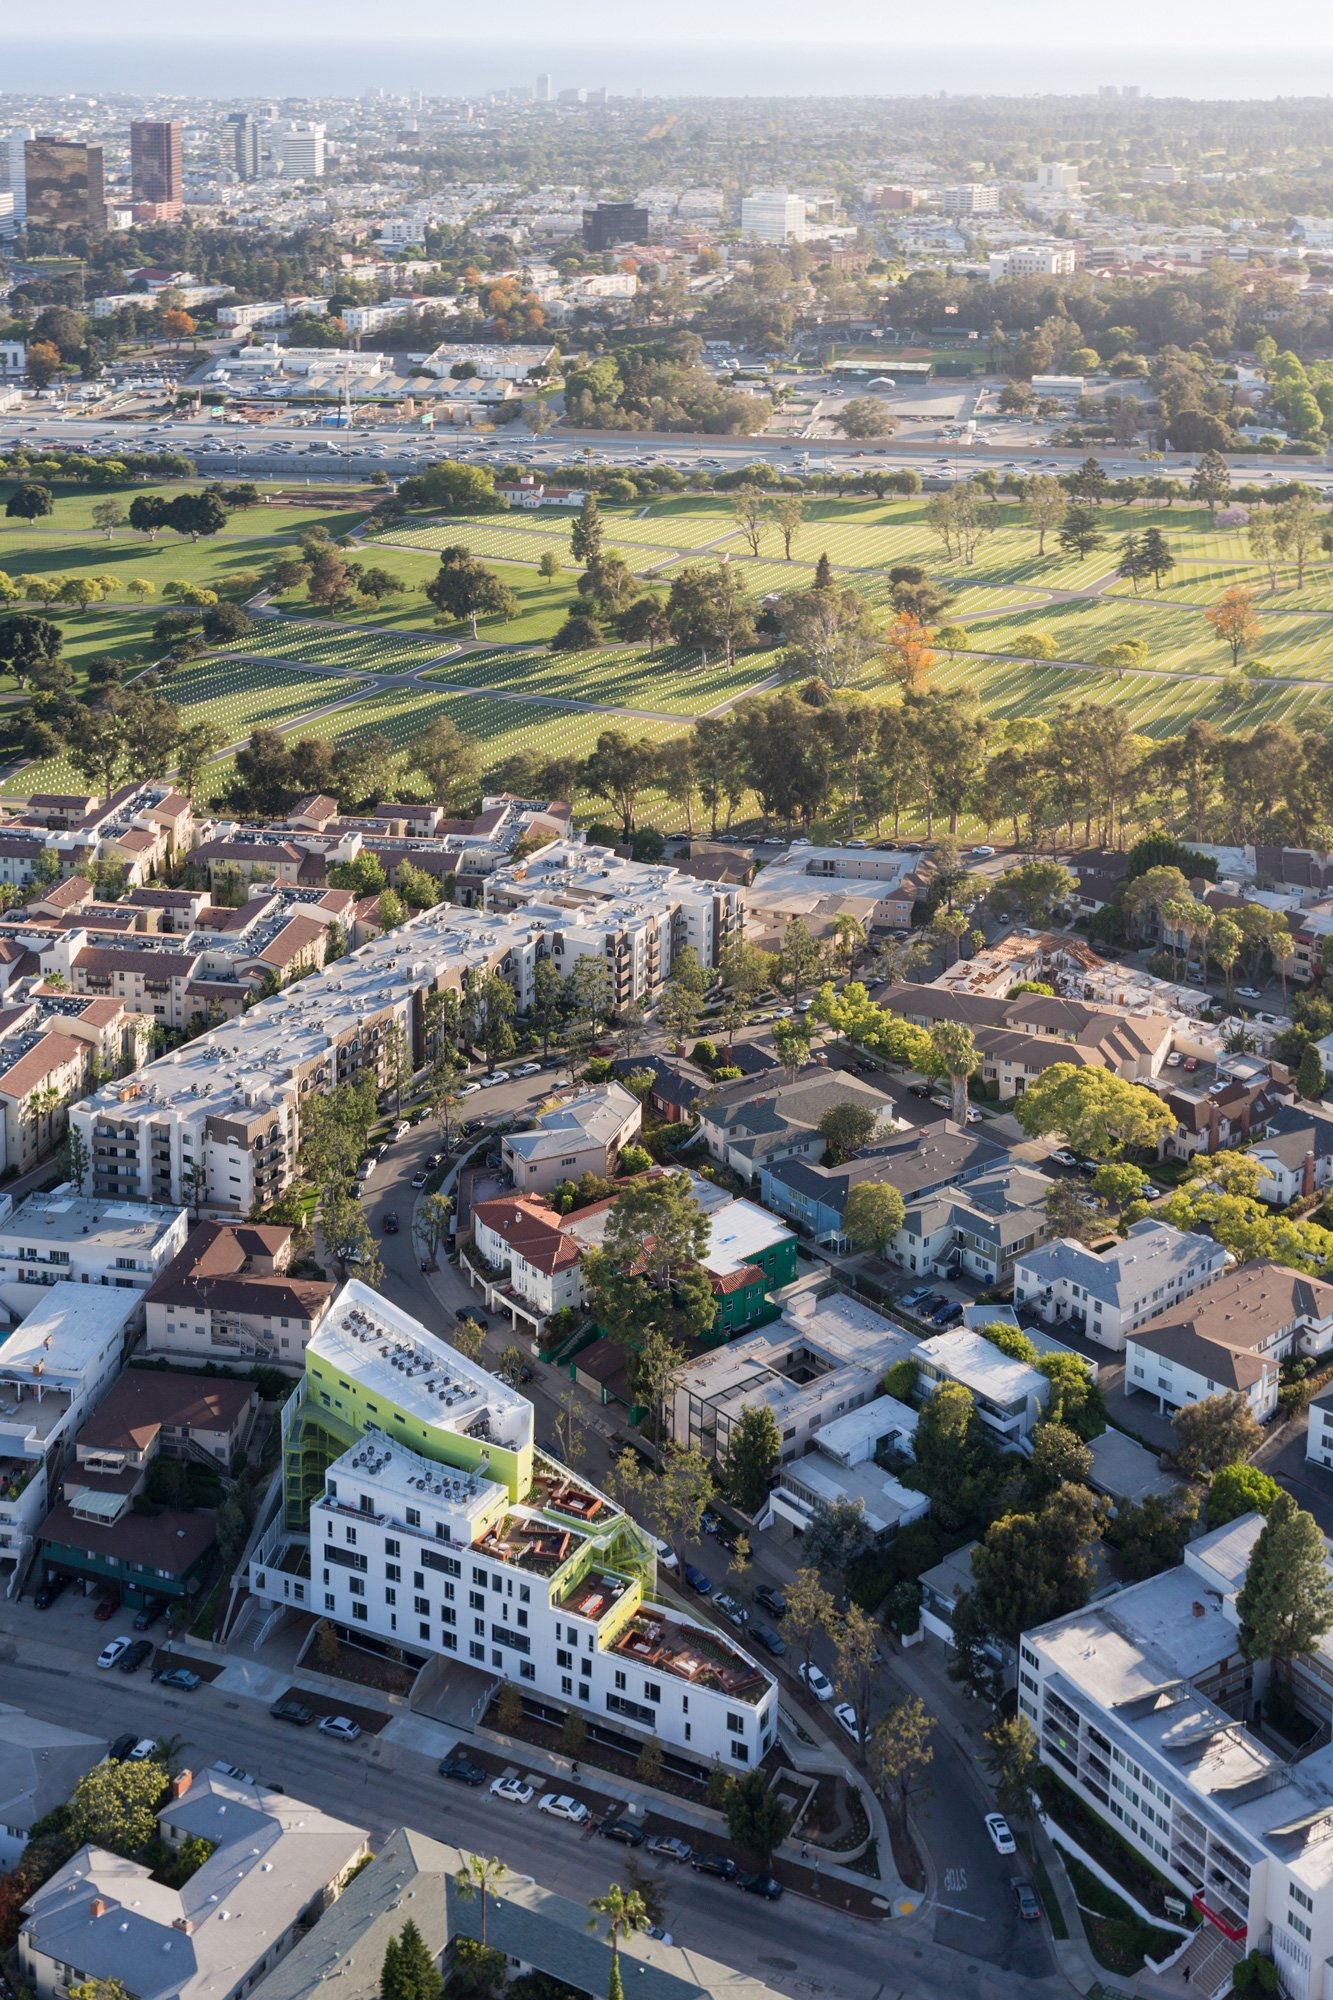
(228, 1293)
(1234, 1334)
(917, 1163)
(1106, 1294)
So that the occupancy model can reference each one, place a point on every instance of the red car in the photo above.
(107, 1608)
(1191, 1062)
(390, 1223)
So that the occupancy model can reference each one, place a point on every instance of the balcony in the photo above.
(594, 1595)
(654, 1639)
(530, 1544)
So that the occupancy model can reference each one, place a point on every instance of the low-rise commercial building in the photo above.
(1106, 1294)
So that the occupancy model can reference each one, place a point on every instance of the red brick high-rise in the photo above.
(155, 164)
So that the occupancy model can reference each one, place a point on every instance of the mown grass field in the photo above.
(1156, 704)
(670, 682)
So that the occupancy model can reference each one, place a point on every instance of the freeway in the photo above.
(286, 448)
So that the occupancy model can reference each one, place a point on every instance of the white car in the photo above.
(982, 853)
(512, 1789)
(1248, 993)
(112, 1651)
(561, 1806)
(145, 1748)
(401, 1130)
(496, 1076)
(1065, 1157)
(341, 1726)
(973, 1117)
(819, 1684)
(845, 1716)
(469, 1090)
(997, 1826)
(528, 1069)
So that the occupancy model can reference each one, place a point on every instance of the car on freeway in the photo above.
(773, 1642)
(720, 1865)
(845, 1717)
(48, 1592)
(341, 1726)
(772, 1599)
(390, 1222)
(997, 1826)
(234, 1771)
(699, 1583)
(292, 1711)
(1025, 1899)
(561, 1806)
(145, 1748)
(106, 1607)
(179, 1677)
(767, 1886)
(669, 1847)
(819, 1684)
(623, 1830)
(113, 1650)
(513, 1789)
(462, 1770)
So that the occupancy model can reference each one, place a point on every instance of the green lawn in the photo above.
(322, 643)
(543, 607)
(670, 682)
(1156, 704)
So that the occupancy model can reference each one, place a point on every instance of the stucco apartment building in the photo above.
(1022, 1037)
(584, 1134)
(1231, 1335)
(229, 1295)
(1107, 1294)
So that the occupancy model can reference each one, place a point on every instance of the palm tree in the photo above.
(476, 1877)
(625, 1912)
(954, 1054)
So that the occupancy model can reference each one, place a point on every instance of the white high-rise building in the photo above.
(16, 176)
(771, 215)
(301, 148)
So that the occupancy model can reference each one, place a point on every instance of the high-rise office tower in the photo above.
(155, 163)
(302, 151)
(543, 88)
(247, 140)
(15, 175)
(65, 184)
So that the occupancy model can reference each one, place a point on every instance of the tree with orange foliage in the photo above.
(177, 326)
(908, 646)
(1233, 620)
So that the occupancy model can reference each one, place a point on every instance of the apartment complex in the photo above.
(1142, 1704)
(417, 1510)
(276, 1863)
(1232, 1336)
(229, 1296)
(1106, 1294)
(583, 1134)
(63, 1236)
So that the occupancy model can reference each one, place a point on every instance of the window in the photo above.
(393, 1572)
(476, 1651)
(391, 1548)
(329, 1600)
(423, 1630)
(476, 1600)
(563, 1657)
(390, 1595)
(526, 1670)
(414, 1517)
(519, 1642)
(566, 1684)
(619, 1704)
(448, 1616)
(351, 1538)
(361, 1613)
(652, 1691)
(1299, 1896)
(345, 1558)
(358, 1584)
(421, 1605)
(621, 1681)
(736, 1724)
(740, 1753)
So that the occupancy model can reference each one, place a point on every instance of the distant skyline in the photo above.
(411, 54)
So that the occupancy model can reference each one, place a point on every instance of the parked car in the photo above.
(105, 1607)
(122, 1747)
(179, 1677)
(149, 1613)
(48, 1592)
(767, 1886)
(528, 1069)
(845, 1717)
(113, 1650)
(669, 1847)
(1248, 993)
(145, 1748)
(341, 1726)
(469, 1090)
(732, 1609)
(623, 1830)
(697, 1581)
(390, 1222)
(773, 1642)
(720, 1865)
(419, 1178)
(920, 1090)
(561, 1806)
(1025, 1897)
(512, 1789)
(997, 1826)
(662, 1937)
(819, 1684)
(462, 1770)
(1065, 1157)
(772, 1599)
(293, 1711)
(234, 1771)
(493, 1077)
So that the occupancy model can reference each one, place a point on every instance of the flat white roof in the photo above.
(66, 1217)
(976, 1362)
(66, 1330)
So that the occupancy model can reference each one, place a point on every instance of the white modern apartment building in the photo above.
(64, 1237)
(417, 1510)
(1319, 1429)
(771, 215)
(300, 147)
(970, 198)
(1106, 1294)
(1031, 260)
(1010, 1395)
(54, 1371)
(1142, 1704)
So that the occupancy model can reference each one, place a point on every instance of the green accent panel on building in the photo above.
(342, 1405)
